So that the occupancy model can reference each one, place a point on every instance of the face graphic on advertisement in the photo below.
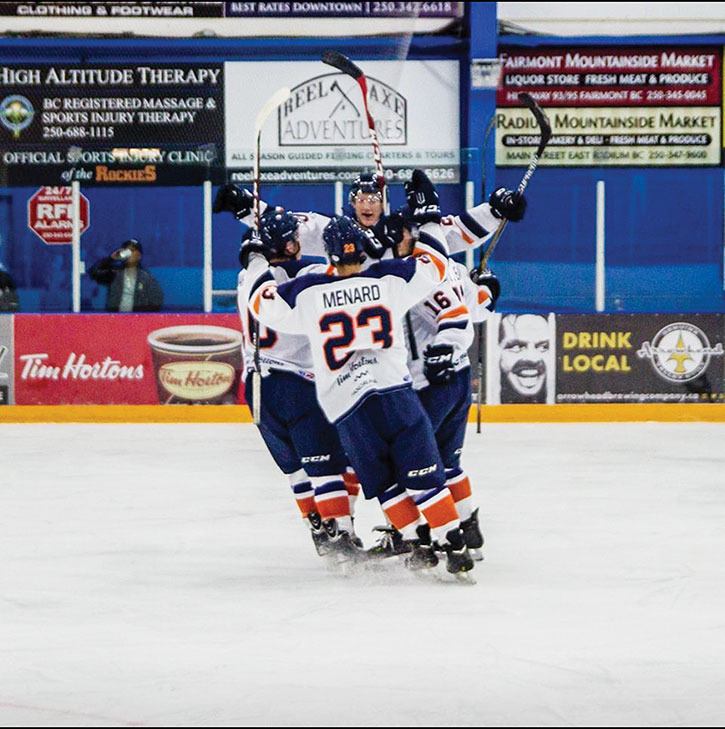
(524, 343)
(368, 208)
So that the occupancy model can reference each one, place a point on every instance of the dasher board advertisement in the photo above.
(640, 358)
(321, 133)
(643, 106)
(121, 359)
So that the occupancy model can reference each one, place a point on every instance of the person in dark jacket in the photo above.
(8, 292)
(130, 286)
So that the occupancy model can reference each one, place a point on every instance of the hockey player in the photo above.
(462, 232)
(353, 319)
(441, 332)
(300, 439)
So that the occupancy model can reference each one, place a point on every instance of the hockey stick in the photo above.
(343, 63)
(545, 135)
(278, 98)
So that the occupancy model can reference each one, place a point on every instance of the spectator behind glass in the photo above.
(8, 293)
(130, 286)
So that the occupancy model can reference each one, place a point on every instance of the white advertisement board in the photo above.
(321, 133)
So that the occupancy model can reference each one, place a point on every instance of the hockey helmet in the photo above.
(365, 182)
(277, 229)
(344, 240)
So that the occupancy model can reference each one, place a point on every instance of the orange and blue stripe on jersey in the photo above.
(453, 318)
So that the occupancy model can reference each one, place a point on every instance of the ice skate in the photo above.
(472, 536)
(458, 559)
(342, 545)
(390, 544)
(319, 534)
(422, 555)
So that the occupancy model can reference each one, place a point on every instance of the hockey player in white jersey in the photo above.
(439, 339)
(353, 319)
(463, 232)
(300, 439)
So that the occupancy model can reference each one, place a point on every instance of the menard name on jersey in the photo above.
(357, 295)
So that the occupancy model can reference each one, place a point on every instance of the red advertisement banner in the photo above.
(136, 359)
(587, 76)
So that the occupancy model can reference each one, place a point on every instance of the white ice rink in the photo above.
(157, 575)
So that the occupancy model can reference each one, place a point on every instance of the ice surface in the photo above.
(159, 575)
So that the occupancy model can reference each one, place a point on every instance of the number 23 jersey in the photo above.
(354, 324)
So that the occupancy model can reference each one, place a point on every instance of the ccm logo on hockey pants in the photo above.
(423, 471)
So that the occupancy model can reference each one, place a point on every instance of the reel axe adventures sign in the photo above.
(640, 358)
(111, 124)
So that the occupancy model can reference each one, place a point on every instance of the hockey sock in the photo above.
(353, 488)
(303, 491)
(460, 488)
(439, 510)
(400, 510)
(332, 500)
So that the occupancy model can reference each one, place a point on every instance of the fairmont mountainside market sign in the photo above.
(641, 106)
(137, 123)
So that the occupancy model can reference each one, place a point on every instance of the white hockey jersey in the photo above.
(446, 316)
(462, 232)
(277, 350)
(354, 324)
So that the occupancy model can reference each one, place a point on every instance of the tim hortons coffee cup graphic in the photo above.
(197, 364)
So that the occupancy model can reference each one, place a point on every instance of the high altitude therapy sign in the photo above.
(102, 124)
(642, 106)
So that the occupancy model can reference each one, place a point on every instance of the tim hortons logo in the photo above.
(197, 380)
(328, 111)
(37, 367)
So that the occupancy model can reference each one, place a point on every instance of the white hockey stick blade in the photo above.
(278, 98)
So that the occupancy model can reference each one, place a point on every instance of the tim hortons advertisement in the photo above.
(321, 133)
(109, 359)
(640, 358)
(642, 106)
(111, 124)
(6, 359)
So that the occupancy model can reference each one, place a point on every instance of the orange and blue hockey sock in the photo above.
(332, 500)
(400, 510)
(303, 492)
(439, 510)
(460, 488)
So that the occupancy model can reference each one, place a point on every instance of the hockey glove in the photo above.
(388, 232)
(422, 199)
(489, 281)
(234, 199)
(507, 204)
(438, 363)
(251, 243)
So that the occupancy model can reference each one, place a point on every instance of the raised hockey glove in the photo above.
(251, 243)
(388, 232)
(234, 199)
(488, 281)
(422, 199)
(438, 363)
(507, 204)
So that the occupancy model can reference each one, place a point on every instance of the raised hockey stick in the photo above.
(545, 135)
(277, 99)
(343, 63)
